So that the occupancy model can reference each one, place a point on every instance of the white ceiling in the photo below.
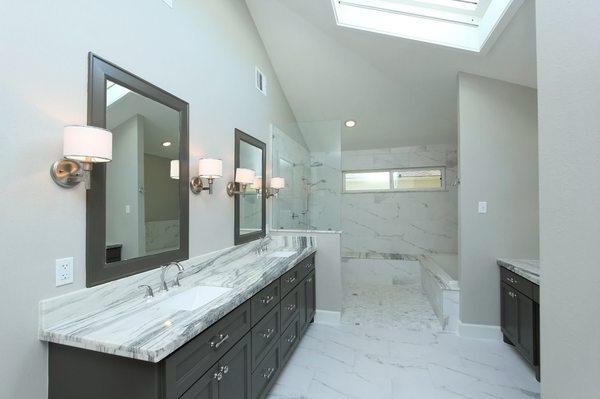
(401, 92)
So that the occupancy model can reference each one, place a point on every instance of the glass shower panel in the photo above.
(311, 165)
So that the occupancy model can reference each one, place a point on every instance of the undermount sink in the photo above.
(193, 298)
(281, 254)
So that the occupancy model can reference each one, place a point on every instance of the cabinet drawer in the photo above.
(291, 279)
(290, 307)
(307, 266)
(517, 282)
(265, 374)
(264, 301)
(289, 338)
(264, 335)
(191, 361)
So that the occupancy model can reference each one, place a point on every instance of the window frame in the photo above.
(391, 188)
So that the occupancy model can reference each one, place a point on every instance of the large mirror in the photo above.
(250, 204)
(137, 207)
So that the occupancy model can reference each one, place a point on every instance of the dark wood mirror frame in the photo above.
(97, 270)
(244, 238)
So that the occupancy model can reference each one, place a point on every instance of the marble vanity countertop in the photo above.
(115, 318)
(528, 268)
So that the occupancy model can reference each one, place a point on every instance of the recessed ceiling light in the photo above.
(350, 123)
(166, 144)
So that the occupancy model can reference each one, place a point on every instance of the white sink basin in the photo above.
(281, 254)
(193, 298)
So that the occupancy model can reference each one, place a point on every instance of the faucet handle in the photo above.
(149, 291)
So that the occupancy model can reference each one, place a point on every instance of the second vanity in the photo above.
(520, 307)
(111, 342)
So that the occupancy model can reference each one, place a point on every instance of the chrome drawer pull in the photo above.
(224, 369)
(291, 338)
(290, 280)
(291, 307)
(267, 300)
(222, 338)
(268, 373)
(218, 376)
(308, 266)
(268, 334)
(309, 280)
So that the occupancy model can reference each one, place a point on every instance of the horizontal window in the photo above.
(394, 180)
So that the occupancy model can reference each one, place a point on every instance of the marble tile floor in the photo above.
(366, 362)
(386, 293)
(390, 346)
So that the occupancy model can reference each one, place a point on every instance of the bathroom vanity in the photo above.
(520, 308)
(121, 345)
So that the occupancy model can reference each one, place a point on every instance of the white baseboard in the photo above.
(479, 331)
(327, 317)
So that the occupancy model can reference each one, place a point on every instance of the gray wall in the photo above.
(569, 105)
(201, 51)
(497, 164)
(161, 192)
(124, 176)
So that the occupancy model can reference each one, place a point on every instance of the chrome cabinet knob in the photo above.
(221, 340)
(268, 334)
(268, 373)
(268, 299)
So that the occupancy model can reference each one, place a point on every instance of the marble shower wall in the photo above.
(403, 222)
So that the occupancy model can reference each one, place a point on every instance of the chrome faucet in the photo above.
(164, 271)
(262, 247)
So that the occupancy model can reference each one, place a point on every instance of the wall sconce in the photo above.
(277, 183)
(210, 169)
(174, 172)
(82, 147)
(243, 177)
(257, 185)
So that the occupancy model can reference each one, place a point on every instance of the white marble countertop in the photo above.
(115, 318)
(528, 268)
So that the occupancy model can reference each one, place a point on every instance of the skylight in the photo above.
(114, 92)
(463, 24)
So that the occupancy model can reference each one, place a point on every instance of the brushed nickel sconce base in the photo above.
(197, 186)
(231, 189)
(67, 173)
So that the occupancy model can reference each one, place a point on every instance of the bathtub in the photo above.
(439, 279)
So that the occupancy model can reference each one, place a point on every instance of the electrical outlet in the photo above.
(64, 271)
(482, 207)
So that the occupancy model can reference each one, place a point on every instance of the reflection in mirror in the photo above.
(142, 186)
(251, 201)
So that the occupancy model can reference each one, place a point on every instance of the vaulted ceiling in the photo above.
(400, 91)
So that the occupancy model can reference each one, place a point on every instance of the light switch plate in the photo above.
(482, 207)
(64, 271)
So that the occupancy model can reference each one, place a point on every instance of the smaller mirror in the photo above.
(250, 205)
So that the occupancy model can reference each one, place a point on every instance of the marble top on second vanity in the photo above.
(528, 268)
(115, 318)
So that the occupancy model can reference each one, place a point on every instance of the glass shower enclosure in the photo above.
(308, 156)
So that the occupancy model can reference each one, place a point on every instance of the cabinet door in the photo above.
(235, 368)
(303, 309)
(311, 297)
(204, 388)
(525, 341)
(509, 312)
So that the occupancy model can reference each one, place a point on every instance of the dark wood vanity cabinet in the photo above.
(519, 310)
(238, 357)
